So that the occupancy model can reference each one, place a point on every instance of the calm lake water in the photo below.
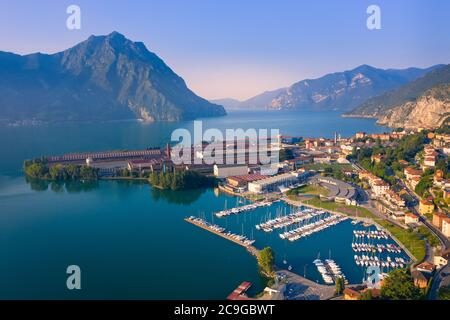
(130, 240)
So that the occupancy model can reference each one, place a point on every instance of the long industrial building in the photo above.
(274, 183)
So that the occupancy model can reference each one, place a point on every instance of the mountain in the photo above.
(260, 101)
(228, 103)
(429, 110)
(342, 90)
(102, 78)
(379, 105)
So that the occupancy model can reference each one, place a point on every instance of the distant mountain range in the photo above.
(103, 78)
(342, 91)
(260, 101)
(424, 102)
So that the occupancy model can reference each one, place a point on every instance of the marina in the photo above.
(241, 209)
(284, 221)
(330, 271)
(312, 228)
(373, 234)
(367, 247)
(154, 219)
(377, 251)
(366, 261)
(239, 239)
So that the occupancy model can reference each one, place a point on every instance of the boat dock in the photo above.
(239, 292)
(247, 207)
(312, 228)
(288, 220)
(238, 239)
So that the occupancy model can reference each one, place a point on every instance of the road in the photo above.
(438, 277)
(444, 240)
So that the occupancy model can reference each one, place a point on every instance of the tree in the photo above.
(180, 180)
(340, 285)
(36, 170)
(266, 260)
(399, 285)
(444, 293)
(424, 184)
(56, 171)
(367, 295)
(286, 154)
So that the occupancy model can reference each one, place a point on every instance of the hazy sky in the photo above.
(239, 48)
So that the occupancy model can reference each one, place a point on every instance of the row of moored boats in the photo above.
(371, 234)
(285, 221)
(329, 271)
(366, 260)
(247, 207)
(311, 228)
(367, 247)
(218, 229)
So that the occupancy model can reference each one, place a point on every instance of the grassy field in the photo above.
(310, 189)
(432, 239)
(412, 240)
(342, 208)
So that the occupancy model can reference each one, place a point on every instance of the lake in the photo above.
(130, 240)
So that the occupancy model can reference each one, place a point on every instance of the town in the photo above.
(399, 181)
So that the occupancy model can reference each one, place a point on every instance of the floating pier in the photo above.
(288, 220)
(312, 228)
(238, 210)
(217, 230)
(239, 292)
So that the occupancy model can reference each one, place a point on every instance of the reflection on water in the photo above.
(180, 197)
(185, 197)
(62, 186)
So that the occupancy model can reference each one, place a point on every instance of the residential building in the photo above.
(322, 159)
(426, 267)
(394, 198)
(411, 218)
(442, 259)
(437, 219)
(355, 292)
(414, 182)
(420, 279)
(379, 187)
(381, 136)
(347, 149)
(429, 162)
(412, 173)
(426, 207)
(446, 227)
(377, 158)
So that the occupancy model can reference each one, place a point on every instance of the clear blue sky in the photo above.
(237, 48)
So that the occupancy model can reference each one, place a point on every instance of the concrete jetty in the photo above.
(224, 235)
